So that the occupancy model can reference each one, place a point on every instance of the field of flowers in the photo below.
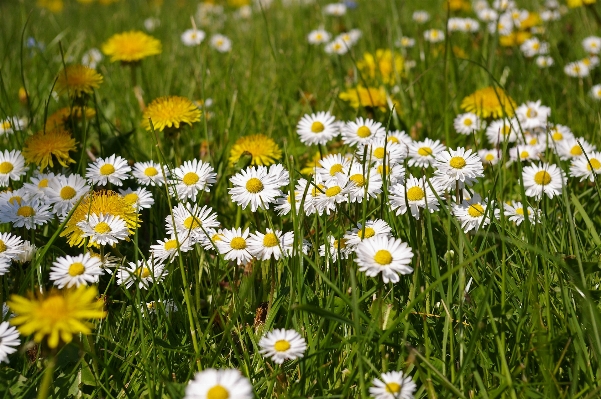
(300, 199)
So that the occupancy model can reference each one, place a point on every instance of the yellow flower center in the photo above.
(339, 244)
(26, 211)
(379, 153)
(337, 168)
(107, 169)
(542, 178)
(170, 245)
(151, 171)
(594, 163)
(2, 246)
(424, 151)
(43, 183)
(317, 127)
(254, 185)
(218, 392)
(15, 200)
(530, 113)
(54, 309)
(392, 139)
(282, 345)
(520, 211)
(190, 179)
(524, 154)
(216, 238)
(506, 130)
(489, 157)
(192, 223)
(393, 387)
(76, 269)
(333, 191)
(363, 132)
(383, 257)
(457, 162)
(102, 228)
(415, 193)
(467, 122)
(475, 210)
(358, 179)
(238, 243)
(576, 150)
(270, 240)
(143, 272)
(317, 190)
(6, 167)
(5, 125)
(131, 198)
(67, 192)
(369, 232)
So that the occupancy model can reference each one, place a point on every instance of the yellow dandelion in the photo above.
(365, 97)
(458, 5)
(579, 3)
(262, 149)
(77, 80)
(57, 315)
(42, 146)
(383, 67)
(131, 46)
(60, 119)
(489, 102)
(100, 202)
(170, 112)
(515, 38)
(54, 6)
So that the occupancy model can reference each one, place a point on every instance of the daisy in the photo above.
(37, 186)
(317, 128)
(350, 38)
(28, 251)
(434, 35)
(208, 239)
(103, 171)
(143, 273)
(150, 173)
(577, 69)
(4, 266)
(283, 205)
(257, 186)
(9, 340)
(393, 385)
(169, 248)
(338, 46)
(596, 92)
(373, 228)
(399, 137)
(318, 36)
(558, 133)
(415, 194)
(192, 37)
(362, 183)
(335, 9)
(534, 46)
(11, 246)
(10, 125)
(592, 44)
(473, 213)
(190, 179)
(104, 229)
(335, 191)
(12, 166)
(573, 148)
(423, 153)
(586, 168)
(467, 123)
(221, 43)
(406, 42)
(28, 214)
(386, 255)
(335, 248)
(543, 179)
(544, 61)
(362, 131)
(457, 166)
(217, 384)
(141, 198)
(470, 25)
(91, 58)
(234, 245)
(381, 151)
(70, 271)
(526, 152)
(63, 192)
(168, 306)
(490, 157)
(502, 130)
(532, 114)
(332, 164)
(281, 345)
(420, 16)
(271, 244)
(516, 213)
(187, 220)
(392, 173)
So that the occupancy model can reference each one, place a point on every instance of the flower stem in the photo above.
(47, 378)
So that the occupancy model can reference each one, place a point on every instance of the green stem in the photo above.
(47, 378)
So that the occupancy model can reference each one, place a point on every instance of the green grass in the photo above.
(529, 326)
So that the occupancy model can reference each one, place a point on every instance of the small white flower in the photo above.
(532, 114)
(335, 191)
(337, 46)
(362, 182)
(144, 273)
(104, 229)
(592, 44)
(91, 58)
(502, 130)
(190, 179)
(574, 147)
(474, 213)
(423, 153)
(386, 255)
(217, 384)
(458, 165)
(415, 194)
(192, 37)
(257, 187)
(281, 345)
(544, 61)
(373, 228)
(596, 92)
(490, 157)
(234, 245)
(221, 43)
(467, 123)
(151, 24)
(317, 128)
(169, 248)
(12, 166)
(9, 340)
(586, 168)
(335, 248)
(543, 179)
(78, 270)
(271, 244)
(362, 131)
(25, 214)
(188, 221)
(11, 247)
(150, 173)
(393, 385)
(318, 36)
(577, 69)
(406, 42)
(331, 165)
(434, 35)
(516, 213)
(140, 198)
(113, 169)
(335, 9)
(63, 192)
(421, 16)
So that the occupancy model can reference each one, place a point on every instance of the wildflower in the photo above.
(140, 198)
(216, 384)
(335, 9)
(473, 213)
(534, 46)
(337, 46)
(317, 128)
(383, 66)
(9, 340)
(364, 182)
(394, 173)
(9, 125)
(187, 220)
(192, 37)
(169, 248)
(104, 229)
(543, 179)
(77, 270)
(57, 315)
(526, 152)
(335, 248)
(386, 255)
(515, 211)
(143, 273)
(234, 245)
(335, 191)
(501, 131)
(372, 228)
(281, 345)
(262, 149)
(318, 36)
(362, 131)
(168, 306)
(467, 123)
(131, 46)
(596, 92)
(331, 165)
(415, 194)
(558, 133)
(91, 58)
(532, 114)
(113, 169)
(42, 146)
(406, 42)
(586, 168)
(544, 61)
(10, 247)
(78, 80)
(63, 192)
(12, 166)
(458, 165)
(25, 214)
(150, 173)
(571, 148)
(255, 186)
(420, 16)
(434, 35)
(191, 178)
(393, 385)
(577, 69)
(489, 102)
(382, 151)
(169, 113)
(271, 244)
(221, 43)
(423, 153)
(150, 24)
(592, 44)
(28, 251)
(369, 97)
(65, 118)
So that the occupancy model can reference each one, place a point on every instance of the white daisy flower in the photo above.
(350, 38)
(577, 69)
(234, 245)
(255, 186)
(503, 25)
(318, 36)
(516, 213)
(150, 24)
(9, 340)
(503, 5)
(423, 153)
(4, 266)
(70, 271)
(467, 123)
(488, 15)
(534, 46)
(392, 173)
(406, 42)
(169, 248)
(458, 165)
(364, 182)
(103, 171)
(434, 35)
(596, 92)
(335, 191)
(281, 345)
(221, 43)
(14, 197)
(381, 151)
(144, 273)
(335, 9)
(188, 221)
(192, 37)
(543, 179)
(470, 25)
(338, 46)
(283, 205)
(35, 189)
(393, 385)
(335, 248)
(168, 307)
(386, 255)
(190, 179)
(518, 16)
(209, 238)
(12, 124)
(25, 214)
(490, 157)
(373, 228)
(586, 168)
(312, 189)
(544, 61)
(107, 261)
(502, 130)
(558, 133)
(362, 131)
(573, 148)
(28, 251)
(141, 198)
(592, 44)
(217, 384)
(12, 166)
(532, 114)
(150, 173)
(526, 152)
(399, 137)
(63, 192)
(271, 244)
(104, 229)
(11, 247)
(474, 213)
(317, 128)
(415, 194)
(420, 16)
(91, 58)
(333, 164)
